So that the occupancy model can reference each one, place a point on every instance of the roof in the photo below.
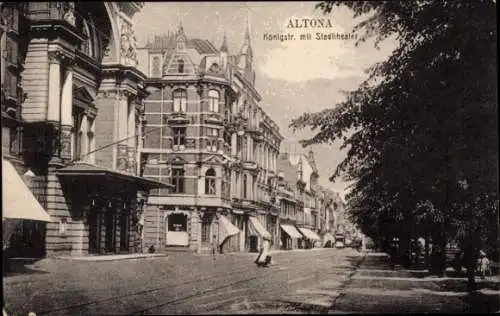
(85, 169)
(167, 42)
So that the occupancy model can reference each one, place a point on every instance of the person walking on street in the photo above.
(264, 257)
(214, 246)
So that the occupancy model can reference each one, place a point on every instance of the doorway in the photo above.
(94, 221)
(254, 243)
(109, 226)
(124, 231)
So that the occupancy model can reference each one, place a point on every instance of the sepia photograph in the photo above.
(259, 157)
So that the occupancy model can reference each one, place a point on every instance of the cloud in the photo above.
(301, 60)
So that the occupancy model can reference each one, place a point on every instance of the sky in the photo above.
(293, 76)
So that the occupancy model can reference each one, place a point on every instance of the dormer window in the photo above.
(214, 68)
(180, 66)
(180, 45)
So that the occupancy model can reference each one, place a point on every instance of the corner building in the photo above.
(206, 134)
(78, 103)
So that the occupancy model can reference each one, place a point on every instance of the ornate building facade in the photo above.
(79, 100)
(206, 134)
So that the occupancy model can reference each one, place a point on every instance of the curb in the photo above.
(111, 258)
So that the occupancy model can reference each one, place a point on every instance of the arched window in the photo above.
(213, 101)
(210, 188)
(180, 65)
(87, 47)
(214, 68)
(180, 100)
(245, 194)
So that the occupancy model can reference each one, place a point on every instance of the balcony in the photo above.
(249, 165)
(213, 118)
(244, 204)
(177, 118)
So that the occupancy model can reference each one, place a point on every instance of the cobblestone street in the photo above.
(312, 281)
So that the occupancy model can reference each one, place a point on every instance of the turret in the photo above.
(246, 53)
(180, 38)
(223, 53)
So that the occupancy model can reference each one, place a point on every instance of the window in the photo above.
(155, 66)
(244, 186)
(180, 100)
(212, 145)
(210, 182)
(206, 222)
(213, 101)
(78, 117)
(90, 140)
(87, 47)
(177, 223)
(178, 179)
(180, 65)
(179, 135)
(214, 68)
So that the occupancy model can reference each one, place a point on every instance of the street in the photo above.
(182, 283)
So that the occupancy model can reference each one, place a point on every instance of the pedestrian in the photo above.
(264, 257)
(484, 264)
(214, 246)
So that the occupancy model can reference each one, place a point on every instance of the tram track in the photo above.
(177, 287)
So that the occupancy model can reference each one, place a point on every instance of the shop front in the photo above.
(310, 238)
(289, 237)
(257, 232)
(20, 211)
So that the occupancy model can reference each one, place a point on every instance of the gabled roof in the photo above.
(174, 62)
(166, 42)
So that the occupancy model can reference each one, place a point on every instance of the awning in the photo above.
(309, 234)
(17, 201)
(98, 174)
(226, 229)
(291, 231)
(256, 228)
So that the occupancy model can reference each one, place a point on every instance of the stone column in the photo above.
(54, 108)
(121, 134)
(131, 132)
(234, 142)
(84, 141)
(67, 114)
(195, 242)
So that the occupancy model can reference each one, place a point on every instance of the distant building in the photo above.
(206, 134)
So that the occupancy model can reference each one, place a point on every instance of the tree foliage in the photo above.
(424, 122)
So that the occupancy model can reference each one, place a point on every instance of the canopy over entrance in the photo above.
(291, 231)
(226, 229)
(256, 228)
(309, 234)
(110, 178)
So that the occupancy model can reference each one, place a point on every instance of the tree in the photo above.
(423, 122)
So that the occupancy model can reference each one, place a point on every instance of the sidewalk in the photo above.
(375, 288)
